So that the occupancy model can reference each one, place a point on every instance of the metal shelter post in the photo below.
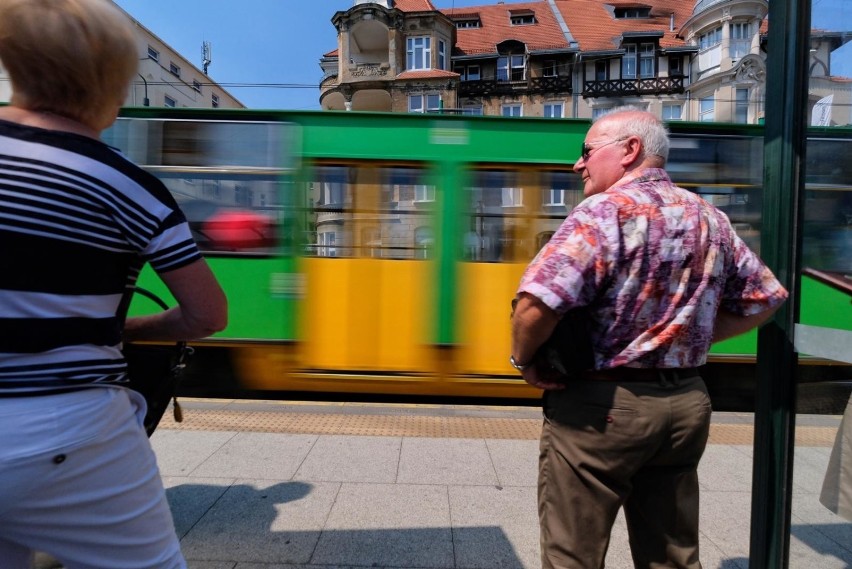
(787, 82)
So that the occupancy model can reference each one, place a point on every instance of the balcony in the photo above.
(490, 87)
(622, 87)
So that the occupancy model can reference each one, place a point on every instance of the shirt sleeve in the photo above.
(569, 269)
(750, 287)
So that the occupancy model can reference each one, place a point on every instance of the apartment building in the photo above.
(165, 78)
(696, 61)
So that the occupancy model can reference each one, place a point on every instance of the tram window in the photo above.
(493, 195)
(231, 214)
(372, 210)
(509, 211)
(542, 239)
(561, 192)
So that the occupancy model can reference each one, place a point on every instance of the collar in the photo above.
(642, 175)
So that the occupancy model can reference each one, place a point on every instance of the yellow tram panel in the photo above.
(366, 314)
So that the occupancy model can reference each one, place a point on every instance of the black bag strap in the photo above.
(151, 296)
(183, 351)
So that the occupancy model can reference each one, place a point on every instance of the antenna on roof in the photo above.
(206, 56)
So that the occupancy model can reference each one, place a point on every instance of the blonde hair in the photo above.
(74, 58)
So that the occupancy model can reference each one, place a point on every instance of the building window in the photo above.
(214, 100)
(327, 244)
(473, 110)
(469, 23)
(601, 70)
(553, 197)
(740, 39)
(646, 60)
(512, 197)
(550, 68)
(741, 106)
(672, 111)
(710, 39)
(675, 66)
(424, 241)
(512, 110)
(174, 69)
(424, 103)
(196, 86)
(598, 112)
(442, 54)
(628, 62)
(468, 73)
(553, 110)
(424, 193)
(641, 12)
(522, 18)
(511, 68)
(706, 109)
(169, 102)
(419, 53)
(153, 54)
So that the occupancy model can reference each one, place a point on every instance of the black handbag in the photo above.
(155, 371)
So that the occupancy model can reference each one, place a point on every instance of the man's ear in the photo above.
(632, 151)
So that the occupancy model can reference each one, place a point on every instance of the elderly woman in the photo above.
(78, 477)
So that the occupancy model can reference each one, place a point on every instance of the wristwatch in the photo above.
(516, 365)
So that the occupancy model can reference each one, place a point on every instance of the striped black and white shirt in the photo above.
(77, 223)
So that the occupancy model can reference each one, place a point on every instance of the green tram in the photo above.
(372, 255)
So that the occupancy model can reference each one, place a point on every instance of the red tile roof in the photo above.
(414, 5)
(496, 27)
(596, 29)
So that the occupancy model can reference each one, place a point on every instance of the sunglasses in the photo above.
(587, 150)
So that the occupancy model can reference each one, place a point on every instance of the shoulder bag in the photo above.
(155, 371)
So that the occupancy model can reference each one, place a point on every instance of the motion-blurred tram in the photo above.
(376, 255)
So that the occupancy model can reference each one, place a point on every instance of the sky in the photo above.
(266, 53)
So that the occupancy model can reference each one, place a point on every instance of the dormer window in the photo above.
(468, 22)
(632, 13)
(522, 17)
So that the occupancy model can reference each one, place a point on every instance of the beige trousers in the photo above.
(836, 492)
(607, 445)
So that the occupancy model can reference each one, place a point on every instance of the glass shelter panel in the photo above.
(821, 527)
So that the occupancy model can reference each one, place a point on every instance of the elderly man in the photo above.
(661, 275)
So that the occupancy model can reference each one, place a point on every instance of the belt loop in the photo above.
(669, 377)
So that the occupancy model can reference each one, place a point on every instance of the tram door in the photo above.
(510, 214)
(369, 268)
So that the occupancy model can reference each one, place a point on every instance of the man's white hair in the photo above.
(650, 130)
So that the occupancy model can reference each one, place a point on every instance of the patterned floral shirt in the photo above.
(654, 263)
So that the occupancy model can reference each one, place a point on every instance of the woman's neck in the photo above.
(47, 120)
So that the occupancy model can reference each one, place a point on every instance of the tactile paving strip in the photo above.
(403, 425)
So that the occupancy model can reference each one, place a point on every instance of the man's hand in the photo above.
(543, 377)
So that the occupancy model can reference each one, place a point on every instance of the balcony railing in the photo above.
(621, 87)
(487, 87)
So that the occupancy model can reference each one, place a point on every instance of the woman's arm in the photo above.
(202, 308)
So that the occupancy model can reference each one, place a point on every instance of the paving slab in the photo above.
(445, 461)
(388, 525)
(262, 521)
